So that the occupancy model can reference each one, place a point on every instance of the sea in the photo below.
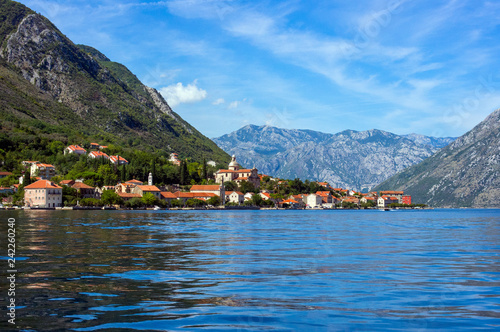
(263, 270)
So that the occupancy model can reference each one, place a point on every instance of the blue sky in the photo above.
(429, 67)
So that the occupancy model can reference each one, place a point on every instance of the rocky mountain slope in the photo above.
(351, 159)
(466, 173)
(48, 81)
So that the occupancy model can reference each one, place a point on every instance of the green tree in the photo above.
(148, 199)
(246, 187)
(215, 201)
(109, 176)
(109, 197)
(257, 200)
(204, 174)
(230, 186)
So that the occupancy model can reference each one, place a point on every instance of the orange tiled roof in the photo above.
(76, 148)
(98, 154)
(148, 188)
(81, 185)
(391, 192)
(43, 184)
(134, 181)
(205, 187)
(167, 194)
(128, 195)
(5, 173)
(117, 159)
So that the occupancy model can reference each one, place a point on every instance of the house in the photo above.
(4, 174)
(167, 196)
(98, 154)
(385, 201)
(142, 189)
(117, 160)
(124, 188)
(44, 171)
(174, 159)
(84, 190)
(313, 201)
(76, 149)
(28, 163)
(326, 196)
(217, 189)
(367, 199)
(234, 173)
(134, 182)
(291, 203)
(350, 199)
(235, 197)
(249, 196)
(393, 193)
(43, 193)
(6, 190)
(100, 190)
(94, 146)
(68, 183)
(406, 199)
(128, 196)
(184, 196)
(102, 147)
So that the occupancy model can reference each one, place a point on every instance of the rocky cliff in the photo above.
(350, 159)
(466, 173)
(92, 93)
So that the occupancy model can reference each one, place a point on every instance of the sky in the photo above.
(429, 67)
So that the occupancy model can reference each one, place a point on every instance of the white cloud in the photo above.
(233, 104)
(219, 101)
(179, 94)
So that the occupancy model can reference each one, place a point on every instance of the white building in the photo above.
(44, 171)
(43, 193)
(313, 200)
(75, 149)
(235, 197)
(98, 154)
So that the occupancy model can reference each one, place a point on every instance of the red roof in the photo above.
(98, 154)
(128, 195)
(116, 159)
(391, 192)
(81, 185)
(290, 201)
(45, 165)
(148, 188)
(67, 182)
(230, 192)
(205, 188)
(5, 173)
(76, 148)
(134, 181)
(167, 194)
(43, 184)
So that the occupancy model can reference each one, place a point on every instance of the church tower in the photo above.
(150, 179)
(233, 165)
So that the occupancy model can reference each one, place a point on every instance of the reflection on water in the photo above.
(257, 270)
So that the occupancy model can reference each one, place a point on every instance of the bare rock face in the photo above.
(350, 159)
(464, 174)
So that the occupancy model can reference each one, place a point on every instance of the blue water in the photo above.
(257, 270)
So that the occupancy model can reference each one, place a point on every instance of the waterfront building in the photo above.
(313, 201)
(234, 173)
(44, 194)
(235, 197)
(217, 189)
(397, 194)
(84, 190)
(142, 189)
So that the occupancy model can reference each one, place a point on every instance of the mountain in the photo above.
(466, 173)
(358, 160)
(52, 89)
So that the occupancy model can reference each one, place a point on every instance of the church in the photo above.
(234, 173)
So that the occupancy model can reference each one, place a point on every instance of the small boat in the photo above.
(156, 207)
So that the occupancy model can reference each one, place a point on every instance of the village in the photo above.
(234, 187)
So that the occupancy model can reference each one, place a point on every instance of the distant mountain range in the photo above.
(52, 89)
(466, 173)
(349, 159)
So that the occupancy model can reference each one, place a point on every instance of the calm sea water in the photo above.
(255, 270)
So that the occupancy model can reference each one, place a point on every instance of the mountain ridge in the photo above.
(466, 173)
(354, 159)
(83, 95)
